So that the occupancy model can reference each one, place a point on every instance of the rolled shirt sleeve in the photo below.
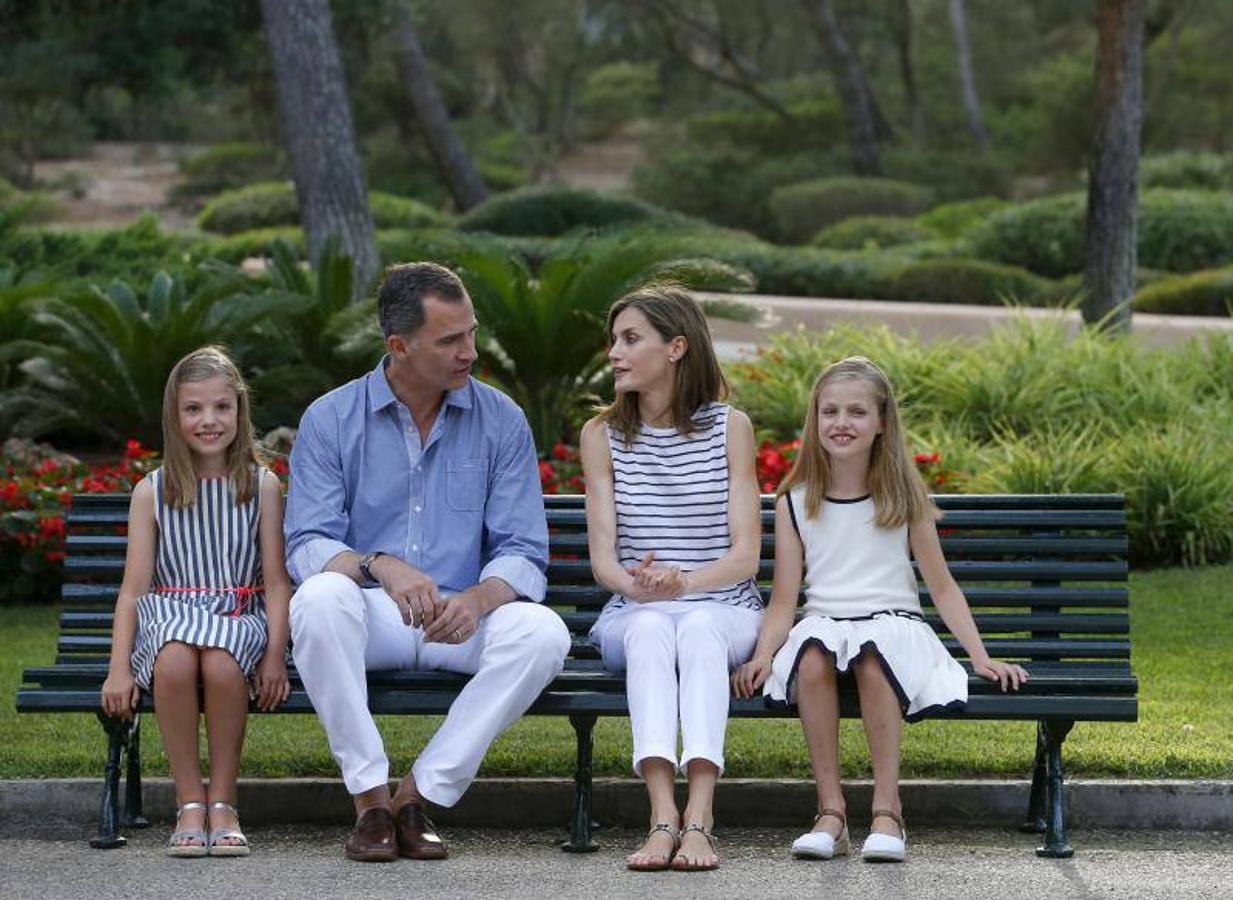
(316, 520)
(516, 532)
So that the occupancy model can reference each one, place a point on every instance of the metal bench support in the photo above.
(1057, 844)
(580, 830)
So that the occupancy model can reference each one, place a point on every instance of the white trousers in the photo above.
(677, 655)
(341, 630)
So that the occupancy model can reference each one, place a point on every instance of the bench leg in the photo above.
(580, 826)
(109, 836)
(133, 816)
(1057, 844)
(1035, 822)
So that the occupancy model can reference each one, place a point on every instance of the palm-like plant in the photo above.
(542, 335)
(95, 361)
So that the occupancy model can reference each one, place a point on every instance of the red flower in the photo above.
(279, 466)
(47, 466)
(927, 459)
(560, 451)
(546, 474)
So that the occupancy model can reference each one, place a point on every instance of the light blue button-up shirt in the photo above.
(463, 506)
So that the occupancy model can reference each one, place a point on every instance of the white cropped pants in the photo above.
(341, 630)
(677, 655)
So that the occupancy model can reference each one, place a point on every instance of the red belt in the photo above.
(242, 593)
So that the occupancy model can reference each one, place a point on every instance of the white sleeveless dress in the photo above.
(861, 597)
(207, 579)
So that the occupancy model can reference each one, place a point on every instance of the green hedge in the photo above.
(225, 167)
(973, 281)
(1207, 293)
(273, 204)
(132, 254)
(1178, 231)
(1198, 171)
(802, 209)
(872, 232)
(553, 211)
(956, 219)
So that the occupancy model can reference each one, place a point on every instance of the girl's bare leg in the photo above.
(883, 721)
(176, 673)
(818, 702)
(226, 709)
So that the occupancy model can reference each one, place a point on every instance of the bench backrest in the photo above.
(1046, 575)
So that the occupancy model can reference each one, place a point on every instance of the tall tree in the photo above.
(319, 134)
(963, 51)
(454, 164)
(1109, 271)
(855, 95)
(901, 31)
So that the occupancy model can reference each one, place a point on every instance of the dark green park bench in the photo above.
(1046, 577)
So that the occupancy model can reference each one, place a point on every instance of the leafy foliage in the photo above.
(95, 361)
(871, 233)
(802, 209)
(554, 211)
(1207, 293)
(272, 204)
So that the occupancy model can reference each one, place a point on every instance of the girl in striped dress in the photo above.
(205, 596)
(674, 531)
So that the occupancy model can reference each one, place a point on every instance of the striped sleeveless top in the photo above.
(207, 579)
(671, 495)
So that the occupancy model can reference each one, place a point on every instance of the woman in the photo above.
(674, 531)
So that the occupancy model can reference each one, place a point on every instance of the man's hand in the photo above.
(456, 621)
(412, 591)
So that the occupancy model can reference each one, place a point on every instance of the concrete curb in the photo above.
(546, 802)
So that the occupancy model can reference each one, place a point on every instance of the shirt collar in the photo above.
(381, 395)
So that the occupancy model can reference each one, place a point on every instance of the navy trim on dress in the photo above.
(860, 499)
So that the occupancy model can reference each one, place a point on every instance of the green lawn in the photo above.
(1182, 655)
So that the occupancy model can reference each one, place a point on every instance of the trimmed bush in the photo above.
(802, 209)
(225, 167)
(615, 93)
(973, 281)
(813, 126)
(872, 233)
(1208, 293)
(1179, 231)
(956, 219)
(951, 174)
(134, 253)
(726, 184)
(1196, 171)
(553, 211)
(273, 204)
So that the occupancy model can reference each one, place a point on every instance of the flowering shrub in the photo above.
(36, 488)
(561, 471)
(775, 461)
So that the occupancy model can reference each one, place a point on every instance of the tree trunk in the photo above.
(902, 29)
(854, 94)
(963, 50)
(453, 163)
(319, 134)
(1109, 272)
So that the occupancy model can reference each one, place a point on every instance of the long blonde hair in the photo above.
(898, 491)
(698, 379)
(243, 455)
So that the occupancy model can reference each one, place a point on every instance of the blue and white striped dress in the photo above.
(671, 494)
(205, 552)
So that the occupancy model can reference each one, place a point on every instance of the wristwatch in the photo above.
(366, 561)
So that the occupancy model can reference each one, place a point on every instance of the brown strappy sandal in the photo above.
(822, 844)
(881, 847)
(680, 864)
(658, 866)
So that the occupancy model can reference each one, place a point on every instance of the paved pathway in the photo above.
(303, 862)
(931, 321)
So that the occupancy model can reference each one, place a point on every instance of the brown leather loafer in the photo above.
(417, 836)
(372, 839)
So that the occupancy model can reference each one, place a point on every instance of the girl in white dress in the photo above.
(846, 516)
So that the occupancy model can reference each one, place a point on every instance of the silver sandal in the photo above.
(177, 849)
(223, 834)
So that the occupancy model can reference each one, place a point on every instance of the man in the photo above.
(413, 520)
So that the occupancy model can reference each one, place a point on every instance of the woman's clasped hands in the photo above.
(653, 582)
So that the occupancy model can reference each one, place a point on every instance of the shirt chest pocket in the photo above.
(464, 484)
